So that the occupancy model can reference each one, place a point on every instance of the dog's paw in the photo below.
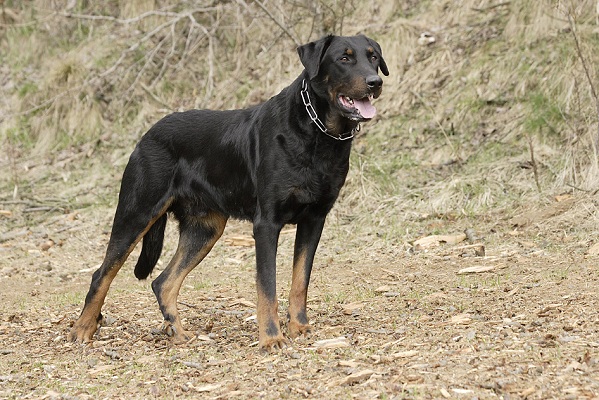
(297, 329)
(271, 344)
(177, 334)
(82, 333)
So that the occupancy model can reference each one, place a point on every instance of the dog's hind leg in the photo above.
(197, 236)
(144, 199)
(127, 231)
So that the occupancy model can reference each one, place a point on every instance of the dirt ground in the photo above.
(508, 311)
(390, 319)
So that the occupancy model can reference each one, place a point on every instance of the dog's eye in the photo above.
(373, 58)
(344, 59)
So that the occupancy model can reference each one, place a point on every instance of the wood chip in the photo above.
(460, 319)
(479, 249)
(349, 363)
(242, 302)
(435, 240)
(356, 377)
(476, 269)
(331, 343)
(405, 354)
(528, 392)
(205, 388)
(192, 364)
(462, 391)
(240, 241)
(102, 368)
(351, 308)
(445, 393)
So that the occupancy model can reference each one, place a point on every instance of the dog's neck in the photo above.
(336, 127)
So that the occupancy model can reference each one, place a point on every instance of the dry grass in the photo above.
(476, 88)
(475, 85)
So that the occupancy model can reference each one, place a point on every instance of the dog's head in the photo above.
(344, 70)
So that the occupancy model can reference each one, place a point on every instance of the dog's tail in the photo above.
(151, 249)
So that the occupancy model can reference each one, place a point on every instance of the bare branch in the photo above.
(134, 19)
(587, 72)
(276, 21)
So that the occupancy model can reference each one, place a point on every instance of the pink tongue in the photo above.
(366, 109)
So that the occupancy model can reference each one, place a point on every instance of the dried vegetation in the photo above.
(460, 261)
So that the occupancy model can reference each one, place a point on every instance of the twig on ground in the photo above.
(533, 162)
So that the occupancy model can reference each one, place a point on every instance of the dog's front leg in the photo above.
(306, 241)
(266, 235)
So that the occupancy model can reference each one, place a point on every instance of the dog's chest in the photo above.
(317, 185)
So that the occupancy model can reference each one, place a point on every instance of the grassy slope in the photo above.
(458, 117)
(450, 150)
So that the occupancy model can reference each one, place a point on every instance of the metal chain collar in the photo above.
(314, 117)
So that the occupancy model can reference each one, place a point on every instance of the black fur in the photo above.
(269, 164)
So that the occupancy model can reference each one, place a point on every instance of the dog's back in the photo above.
(280, 162)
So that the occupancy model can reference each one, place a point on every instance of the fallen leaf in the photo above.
(563, 197)
(594, 250)
(102, 368)
(47, 245)
(574, 366)
(476, 269)
(460, 319)
(382, 289)
(527, 392)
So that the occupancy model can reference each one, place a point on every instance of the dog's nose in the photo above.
(374, 82)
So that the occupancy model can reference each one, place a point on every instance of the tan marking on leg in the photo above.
(269, 331)
(176, 271)
(86, 325)
(298, 295)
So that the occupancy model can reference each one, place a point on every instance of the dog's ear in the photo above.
(311, 54)
(382, 63)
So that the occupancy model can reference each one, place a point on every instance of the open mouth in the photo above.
(358, 108)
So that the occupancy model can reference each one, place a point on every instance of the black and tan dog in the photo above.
(280, 162)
